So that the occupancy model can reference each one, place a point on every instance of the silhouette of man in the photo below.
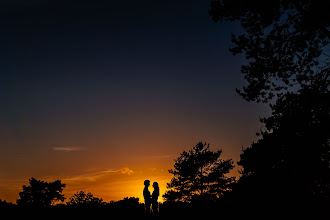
(147, 197)
(154, 198)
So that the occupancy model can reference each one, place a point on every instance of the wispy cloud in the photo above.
(67, 149)
(93, 176)
(126, 170)
(109, 171)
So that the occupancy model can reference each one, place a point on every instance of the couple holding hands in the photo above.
(151, 199)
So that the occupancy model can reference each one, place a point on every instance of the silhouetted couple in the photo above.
(151, 199)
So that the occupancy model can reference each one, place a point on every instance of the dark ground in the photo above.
(172, 211)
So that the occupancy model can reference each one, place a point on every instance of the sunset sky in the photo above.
(103, 96)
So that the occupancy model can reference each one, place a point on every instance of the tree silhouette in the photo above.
(5, 204)
(80, 199)
(294, 148)
(128, 202)
(41, 194)
(285, 43)
(129, 207)
(199, 174)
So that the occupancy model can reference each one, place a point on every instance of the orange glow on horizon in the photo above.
(110, 185)
(110, 175)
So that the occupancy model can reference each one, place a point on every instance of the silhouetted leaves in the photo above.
(285, 42)
(82, 199)
(41, 194)
(5, 204)
(199, 174)
(127, 202)
(294, 149)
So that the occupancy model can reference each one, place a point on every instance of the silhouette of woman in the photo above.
(154, 198)
(147, 197)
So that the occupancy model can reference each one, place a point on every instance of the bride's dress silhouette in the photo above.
(154, 198)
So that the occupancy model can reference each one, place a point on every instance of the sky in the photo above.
(105, 94)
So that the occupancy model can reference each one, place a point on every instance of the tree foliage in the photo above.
(199, 173)
(294, 147)
(286, 45)
(285, 42)
(85, 199)
(127, 202)
(5, 204)
(41, 194)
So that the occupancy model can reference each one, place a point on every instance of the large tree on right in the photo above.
(286, 45)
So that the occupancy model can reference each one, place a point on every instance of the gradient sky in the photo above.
(105, 95)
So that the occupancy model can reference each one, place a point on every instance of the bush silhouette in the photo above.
(82, 199)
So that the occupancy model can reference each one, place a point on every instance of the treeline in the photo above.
(39, 201)
(42, 194)
(46, 202)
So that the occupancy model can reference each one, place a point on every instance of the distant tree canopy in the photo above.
(85, 199)
(286, 44)
(41, 194)
(199, 173)
(127, 202)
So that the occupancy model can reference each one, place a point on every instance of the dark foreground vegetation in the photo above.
(40, 200)
(178, 210)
